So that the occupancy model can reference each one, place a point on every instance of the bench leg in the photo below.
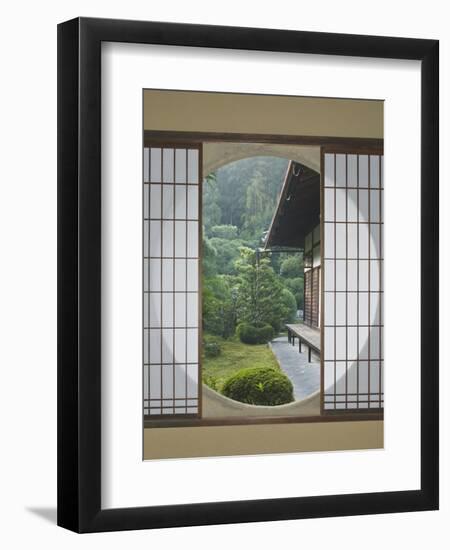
(309, 355)
(299, 345)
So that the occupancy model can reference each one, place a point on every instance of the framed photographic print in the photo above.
(248, 274)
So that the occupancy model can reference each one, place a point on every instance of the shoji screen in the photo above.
(171, 280)
(352, 266)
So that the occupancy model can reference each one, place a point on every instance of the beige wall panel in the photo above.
(262, 114)
(259, 439)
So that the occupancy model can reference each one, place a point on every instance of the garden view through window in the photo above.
(253, 290)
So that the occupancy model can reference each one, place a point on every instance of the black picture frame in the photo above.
(79, 269)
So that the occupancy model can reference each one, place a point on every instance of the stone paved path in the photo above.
(305, 377)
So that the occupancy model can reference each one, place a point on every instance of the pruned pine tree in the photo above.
(259, 291)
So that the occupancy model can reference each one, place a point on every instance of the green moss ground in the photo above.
(234, 356)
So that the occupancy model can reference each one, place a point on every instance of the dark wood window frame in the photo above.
(326, 143)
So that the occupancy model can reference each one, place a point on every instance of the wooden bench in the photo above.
(306, 335)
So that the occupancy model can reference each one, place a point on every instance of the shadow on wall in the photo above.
(46, 513)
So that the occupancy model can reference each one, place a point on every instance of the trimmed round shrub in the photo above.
(251, 334)
(212, 349)
(259, 386)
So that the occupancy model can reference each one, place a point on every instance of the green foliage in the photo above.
(259, 206)
(292, 266)
(259, 386)
(244, 194)
(296, 287)
(219, 310)
(210, 381)
(259, 291)
(227, 252)
(211, 202)
(209, 259)
(290, 304)
(234, 357)
(250, 334)
(291, 272)
(229, 232)
(211, 349)
(239, 286)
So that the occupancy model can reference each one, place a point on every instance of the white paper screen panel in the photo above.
(352, 354)
(171, 244)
